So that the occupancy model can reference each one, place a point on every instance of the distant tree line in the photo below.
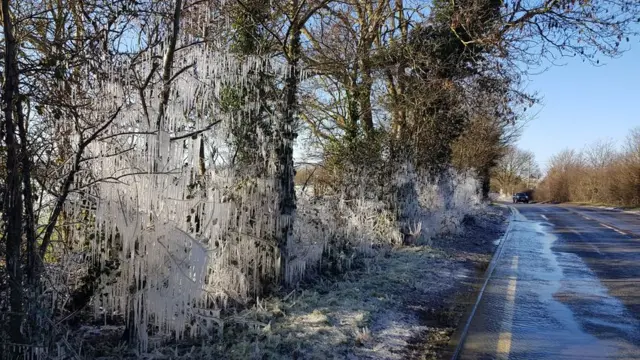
(597, 174)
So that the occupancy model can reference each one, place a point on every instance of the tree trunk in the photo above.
(12, 208)
(284, 170)
(485, 178)
(29, 220)
(365, 98)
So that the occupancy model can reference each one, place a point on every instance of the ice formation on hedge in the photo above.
(191, 234)
(187, 241)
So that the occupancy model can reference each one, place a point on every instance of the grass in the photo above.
(373, 312)
(366, 313)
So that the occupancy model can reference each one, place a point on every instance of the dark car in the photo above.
(520, 197)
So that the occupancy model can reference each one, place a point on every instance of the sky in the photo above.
(582, 104)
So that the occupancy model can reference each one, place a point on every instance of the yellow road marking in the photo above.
(504, 339)
(504, 343)
(511, 291)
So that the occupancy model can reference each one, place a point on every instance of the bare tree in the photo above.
(514, 170)
(12, 202)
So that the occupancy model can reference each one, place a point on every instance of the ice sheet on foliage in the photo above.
(185, 241)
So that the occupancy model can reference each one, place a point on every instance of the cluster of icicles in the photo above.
(187, 241)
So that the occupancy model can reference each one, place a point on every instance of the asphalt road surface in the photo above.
(567, 286)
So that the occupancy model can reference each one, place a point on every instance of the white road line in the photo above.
(614, 229)
(589, 243)
(544, 217)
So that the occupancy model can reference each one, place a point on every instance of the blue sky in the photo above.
(582, 104)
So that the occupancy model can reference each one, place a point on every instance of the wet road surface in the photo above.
(567, 286)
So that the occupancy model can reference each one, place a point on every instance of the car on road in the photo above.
(520, 197)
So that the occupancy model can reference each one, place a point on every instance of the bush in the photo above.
(599, 174)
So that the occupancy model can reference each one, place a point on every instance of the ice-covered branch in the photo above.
(64, 192)
(167, 65)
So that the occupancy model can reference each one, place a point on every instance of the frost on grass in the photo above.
(367, 313)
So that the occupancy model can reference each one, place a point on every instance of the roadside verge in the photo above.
(628, 210)
(403, 304)
(456, 342)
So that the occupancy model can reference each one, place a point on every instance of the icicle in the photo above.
(182, 235)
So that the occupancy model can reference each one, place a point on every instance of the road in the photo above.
(567, 286)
